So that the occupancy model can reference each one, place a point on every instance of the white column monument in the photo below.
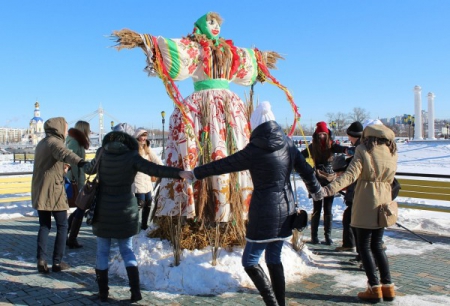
(417, 112)
(431, 115)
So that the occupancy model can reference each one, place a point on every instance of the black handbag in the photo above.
(87, 194)
(299, 220)
(395, 186)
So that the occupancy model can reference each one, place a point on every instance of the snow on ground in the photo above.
(196, 275)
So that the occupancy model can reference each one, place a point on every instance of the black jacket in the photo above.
(269, 157)
(116, 211)
(321, 163)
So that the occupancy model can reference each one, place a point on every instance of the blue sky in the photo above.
(338, 55)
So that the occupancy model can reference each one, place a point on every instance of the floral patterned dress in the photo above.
(211, 124)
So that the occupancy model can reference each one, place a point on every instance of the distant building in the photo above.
(36, 128)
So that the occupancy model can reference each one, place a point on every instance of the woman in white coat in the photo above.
(143, 184)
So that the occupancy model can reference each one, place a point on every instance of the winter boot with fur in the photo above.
(315, 218)
(388, 291)
(133, 278)
(72, 242)
(262, 283)
(276, 273)
(327, 225)
(102, 281)
(372, 294)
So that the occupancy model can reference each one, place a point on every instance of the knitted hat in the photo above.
(139, 132)
(321, 127)
(355, 129)
(261, 114)
(368, 122)
(124, 127)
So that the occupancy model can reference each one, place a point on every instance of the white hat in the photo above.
(124, 127)
(261, 114)
(368, 122)
(139, 132)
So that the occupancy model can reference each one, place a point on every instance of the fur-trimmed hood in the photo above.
(117, 142)
(79, 137)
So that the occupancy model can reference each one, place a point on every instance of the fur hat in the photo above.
(124, 127)
(355, 129)
(139, 132)
(321, 127)
(261, 114)
(368, 122)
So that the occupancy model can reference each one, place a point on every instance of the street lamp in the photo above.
(163, 155)
(410, 121)
(332, 125)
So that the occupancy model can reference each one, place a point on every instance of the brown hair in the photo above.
(85, 128)
(319, 153)
(371, 142)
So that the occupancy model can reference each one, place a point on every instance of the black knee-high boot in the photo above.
(327, 226)
(276, 273)
(133, 278)
(72, 241)
(102, 281)
(262, 283)
(145, 214)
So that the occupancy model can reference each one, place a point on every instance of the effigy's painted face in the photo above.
(213, 27)
(210, 28)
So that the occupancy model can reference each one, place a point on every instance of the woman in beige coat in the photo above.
(48, 195)
(374, 166)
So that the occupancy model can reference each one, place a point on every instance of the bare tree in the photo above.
(359, 114)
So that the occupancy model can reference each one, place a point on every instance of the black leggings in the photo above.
(370, 249)
(327, 203)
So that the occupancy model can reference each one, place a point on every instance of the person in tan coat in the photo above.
(48, 195)
(373, 166)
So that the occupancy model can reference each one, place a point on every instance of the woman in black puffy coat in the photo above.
(116, 210)
(270, 157)
(322, 150)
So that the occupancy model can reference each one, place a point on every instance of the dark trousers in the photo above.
(348, 239)
(326, 203)
(370, 249)
(45, 224)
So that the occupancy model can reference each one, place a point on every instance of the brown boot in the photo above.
(388, 291)
(372, 294)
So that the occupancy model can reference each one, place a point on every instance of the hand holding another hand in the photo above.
(318, 195)
(327, 192)
(187, 175)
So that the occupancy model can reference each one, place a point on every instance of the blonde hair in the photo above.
(84, 127)
(144, 149)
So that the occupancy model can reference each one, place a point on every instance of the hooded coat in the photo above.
(116, 211)
(270, 157)
(47, 185)
(375, 172)
(77, 143)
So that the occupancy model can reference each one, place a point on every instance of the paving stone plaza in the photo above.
(20, 284)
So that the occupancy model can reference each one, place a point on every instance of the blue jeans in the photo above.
(126, 250)
(144, 196)
(253, 251)
(45, 224)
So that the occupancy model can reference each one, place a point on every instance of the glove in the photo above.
(318, 195)
(81, 163)
(350, 151)
(327, 192)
